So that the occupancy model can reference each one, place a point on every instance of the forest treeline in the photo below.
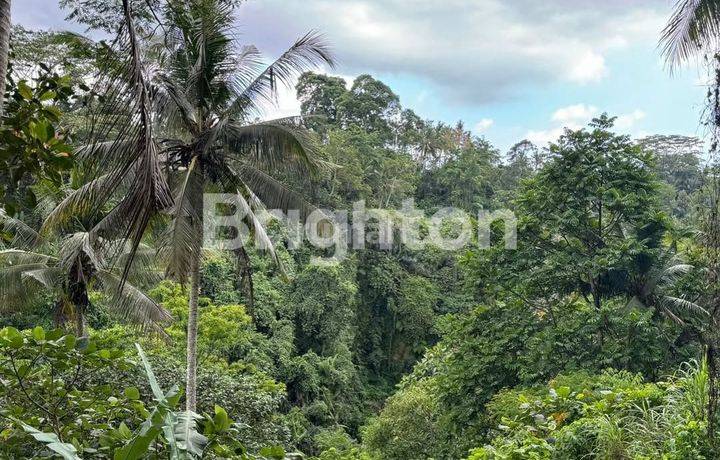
(587, 341)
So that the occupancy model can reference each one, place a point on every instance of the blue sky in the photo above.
(510, 69)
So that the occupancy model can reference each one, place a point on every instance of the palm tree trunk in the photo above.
(4, 47)
(58, 315)
(78, 296)
(192, 327)
(80, 322)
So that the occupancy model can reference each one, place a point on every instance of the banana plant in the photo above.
(178, 428)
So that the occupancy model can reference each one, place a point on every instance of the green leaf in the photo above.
(139, 445)
(38, 333)
(24, 90)
(132, 393)
(71, 342)
(47, 95)
(165, 401)
(13, 337)
(23, 371)
(65, 450)
(54, 334)
(124, 431)
(186, 434)
(221, 420)
(275, 452)
(42, 130)
(157, 392)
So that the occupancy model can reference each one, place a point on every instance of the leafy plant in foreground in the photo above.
(49, 393)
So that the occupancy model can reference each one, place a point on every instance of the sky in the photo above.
(509, 69)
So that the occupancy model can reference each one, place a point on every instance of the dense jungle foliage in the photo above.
(587, 341)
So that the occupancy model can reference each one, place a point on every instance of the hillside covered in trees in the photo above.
(121, 336)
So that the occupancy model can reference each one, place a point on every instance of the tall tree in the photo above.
(694, 30)
(207, 99)
(4, 47)
(592, 211)
(193, 116)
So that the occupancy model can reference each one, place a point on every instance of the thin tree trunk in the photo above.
(4, 48)
(58, 315)
(81, 304)
(80, 323)
(711, 357)
(196, 201)
(245, 281)
(191, 380)
(595, 292)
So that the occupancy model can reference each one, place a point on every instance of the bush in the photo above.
(46, 383)
(51, 402)
(607, 416)
(407, 427)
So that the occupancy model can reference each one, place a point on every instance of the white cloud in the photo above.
(484, 124)
(590, 67)
(626, 121)
(473, 51)
(574, 115)
(542, 138)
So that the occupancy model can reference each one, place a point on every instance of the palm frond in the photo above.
(270, 191)
(173, 103)
(81, 202)
(201, 50)
(145, 267)
(673, 273)
(667, 312)
(262, 240)
(78, 249)
(23, 235)
(693, 26)
(677, 303)
(110, 154)
(248, 65)
(182, 240)
(50, 278)
(131, 304)
(9, 257)
(15, 291)
(305, 54)
(275, 144)
(126, 118)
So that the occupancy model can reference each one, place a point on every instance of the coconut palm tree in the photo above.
(68, 268)
(694, 29)
(122, 155)
(208, 101)
(190, 120)
(653, 288)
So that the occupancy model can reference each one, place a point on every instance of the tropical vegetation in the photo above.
(124, 336)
